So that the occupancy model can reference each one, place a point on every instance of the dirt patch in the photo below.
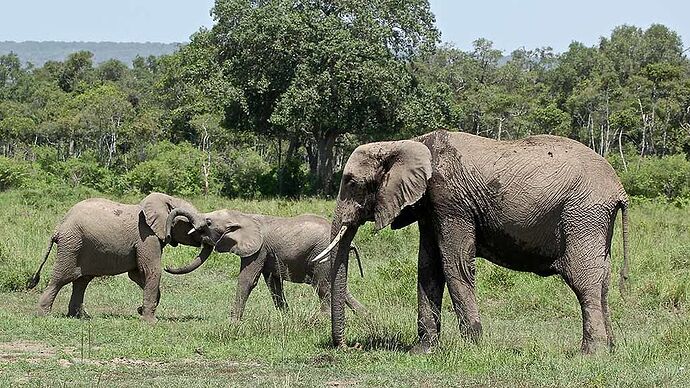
(30, 350)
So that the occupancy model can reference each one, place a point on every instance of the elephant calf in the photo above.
(101, 237)
(275, 247)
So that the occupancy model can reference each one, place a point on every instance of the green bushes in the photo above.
(653, 177)
(12, 173)
(170, 168)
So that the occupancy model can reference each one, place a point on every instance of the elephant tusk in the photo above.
(191, 230)
(331, 246)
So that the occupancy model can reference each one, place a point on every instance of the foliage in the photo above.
(650, 177)
(169, 168)
(12, 173)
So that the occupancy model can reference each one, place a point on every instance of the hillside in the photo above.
(38, 53)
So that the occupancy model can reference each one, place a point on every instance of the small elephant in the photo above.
(101, 237)
(275, 247)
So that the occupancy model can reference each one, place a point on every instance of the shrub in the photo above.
(170, 168)
(13, 173)
(13, 273)
(244, 173)
(650, 177)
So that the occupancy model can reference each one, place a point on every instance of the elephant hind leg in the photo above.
(76, 303)
(47, 298)
(590, 284)
(610, 340)
(275, 286)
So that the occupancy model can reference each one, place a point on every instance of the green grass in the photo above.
(532, 324)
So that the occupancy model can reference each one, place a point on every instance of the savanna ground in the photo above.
(532, 324)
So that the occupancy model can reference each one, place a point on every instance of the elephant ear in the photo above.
(156, 207)
(243, 235)
(405, 170)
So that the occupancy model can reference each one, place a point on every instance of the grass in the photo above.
(532, 324)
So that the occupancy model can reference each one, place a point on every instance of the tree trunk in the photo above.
(325, 159)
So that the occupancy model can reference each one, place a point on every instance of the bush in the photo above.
(13, 273)
(650, 177)
(244, 173)
(170, 168)
(13, 173)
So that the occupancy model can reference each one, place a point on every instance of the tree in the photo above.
(309, 72)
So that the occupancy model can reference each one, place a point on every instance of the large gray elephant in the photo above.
(101, 237)
(543, 204)
(277, 248)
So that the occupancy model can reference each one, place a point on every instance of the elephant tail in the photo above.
(626, 269)
(353, 248)
(33, 282)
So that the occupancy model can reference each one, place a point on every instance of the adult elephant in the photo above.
(279, 248)
(101, 237)
(543, 204)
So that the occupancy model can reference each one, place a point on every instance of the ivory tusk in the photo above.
(191, 230)
(330, 246)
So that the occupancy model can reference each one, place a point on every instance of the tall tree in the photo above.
(310, 71)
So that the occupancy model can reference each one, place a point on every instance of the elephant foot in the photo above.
(79, 313)
(149, 318)
(472, 332)
(422, 348)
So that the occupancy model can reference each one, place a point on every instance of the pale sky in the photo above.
(510, 24)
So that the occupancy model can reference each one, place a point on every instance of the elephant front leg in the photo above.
(149, 262)
(457, 247)
(249, 276)
(430, 283)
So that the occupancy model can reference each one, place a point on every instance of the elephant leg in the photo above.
(138, 277)
(45, 301)
(430, 284)
(275, 286)
(149, 264)
(250, 269)
(457, 248)
(610, 340)
(76, 303)
(587, 280)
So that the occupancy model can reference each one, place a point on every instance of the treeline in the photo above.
(38, 53)
(274, 97)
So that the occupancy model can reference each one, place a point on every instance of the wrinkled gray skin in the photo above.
(277, 248)
(101, 237)
(543, 204)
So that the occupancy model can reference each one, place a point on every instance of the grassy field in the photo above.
(532, 324)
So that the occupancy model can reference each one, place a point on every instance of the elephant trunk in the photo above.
(192, 216)
(196, 263)
(339, 260)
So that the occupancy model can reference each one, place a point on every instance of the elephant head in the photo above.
(224, 230)
(380, 180)
(156, 207)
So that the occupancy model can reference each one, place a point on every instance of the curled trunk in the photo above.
(193, 218)
(196, 263)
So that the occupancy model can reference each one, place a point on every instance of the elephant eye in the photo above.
(208, 222)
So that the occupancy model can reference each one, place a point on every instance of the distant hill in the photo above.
(38, 53)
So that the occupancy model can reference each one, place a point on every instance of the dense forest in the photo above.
(273, 98)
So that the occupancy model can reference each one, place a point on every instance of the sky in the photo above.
(510, 24)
